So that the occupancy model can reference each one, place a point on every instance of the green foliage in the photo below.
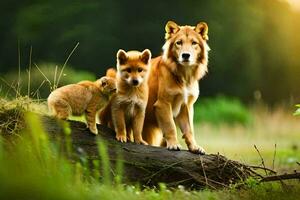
(297, 112)
(252, 183)
(43, 79)
(102, 148)
(222, 110)
(33, 167)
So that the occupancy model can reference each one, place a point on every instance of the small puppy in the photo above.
(85, 97)
(126, 110)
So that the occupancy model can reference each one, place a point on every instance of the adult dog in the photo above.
(173, 86)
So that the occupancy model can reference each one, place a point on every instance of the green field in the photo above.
(269, 129)
(33, 168)
(248, 109)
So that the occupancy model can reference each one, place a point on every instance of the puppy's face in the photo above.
(107, 85)
(133, 66)
(185, 44)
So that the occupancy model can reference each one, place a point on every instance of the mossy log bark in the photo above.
(148, 165)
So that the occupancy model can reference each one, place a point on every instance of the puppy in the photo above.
(85, 97)
(126, 111)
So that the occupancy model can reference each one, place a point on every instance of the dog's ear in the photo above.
(122, 57)
(171, 28)
(146, 56)
(202, 29)
(102, 81)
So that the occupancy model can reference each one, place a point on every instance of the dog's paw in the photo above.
(173, 146)
(141, 142)
(121, 138)
(196, 149)
(94, 130)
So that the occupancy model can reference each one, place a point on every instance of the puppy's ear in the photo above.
(146, 56)
(171, 28)
(202, 29)
(122, 57)
(102, 82)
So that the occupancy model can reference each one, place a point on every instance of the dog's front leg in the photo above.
(164, 116)
(137, 124)
(118, 117)
(186, 125)
(90, 115)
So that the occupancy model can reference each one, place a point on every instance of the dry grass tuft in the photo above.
(12, 113)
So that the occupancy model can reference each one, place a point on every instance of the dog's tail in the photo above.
(111, 72)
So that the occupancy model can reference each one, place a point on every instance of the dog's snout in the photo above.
(185, 56)
(135, 82)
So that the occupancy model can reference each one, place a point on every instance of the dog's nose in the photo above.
(185, 56)
(135, 82)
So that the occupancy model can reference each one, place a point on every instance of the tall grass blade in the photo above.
(29, 72)
(19, 70)
(63, 67)
(47, 79)
(55, 76)
(11, 86)
(119, 168)
(39, 138)
(105, 164)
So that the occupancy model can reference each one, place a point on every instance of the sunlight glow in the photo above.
(295, 4)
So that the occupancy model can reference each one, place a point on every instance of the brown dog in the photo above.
(173, 86)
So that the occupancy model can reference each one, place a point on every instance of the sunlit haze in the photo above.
(295, 4)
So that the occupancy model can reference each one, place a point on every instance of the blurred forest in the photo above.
(255, 43)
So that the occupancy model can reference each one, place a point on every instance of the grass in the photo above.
(269, 128)
(33, 168)
(12, 113)
(41, 80)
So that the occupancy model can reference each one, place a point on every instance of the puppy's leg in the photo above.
(60, 108)
(90, 115)
(105, 115)
(163, 112)
(118, 117)
(185, 122)
(129, 132)
(137, 123)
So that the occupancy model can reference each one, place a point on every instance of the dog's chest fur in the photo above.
(131, 104)
(182, 96)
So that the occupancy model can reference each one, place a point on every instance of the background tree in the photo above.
(255, 44)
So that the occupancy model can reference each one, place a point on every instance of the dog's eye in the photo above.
(140, 69)
(103, 84)
(194, 43)
(179, 42)
(128, 70)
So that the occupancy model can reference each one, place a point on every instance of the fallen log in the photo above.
(148, 165)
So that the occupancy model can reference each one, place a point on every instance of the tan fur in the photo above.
(126, 111)
(85, 97)
(111, 72)
(173, 86)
